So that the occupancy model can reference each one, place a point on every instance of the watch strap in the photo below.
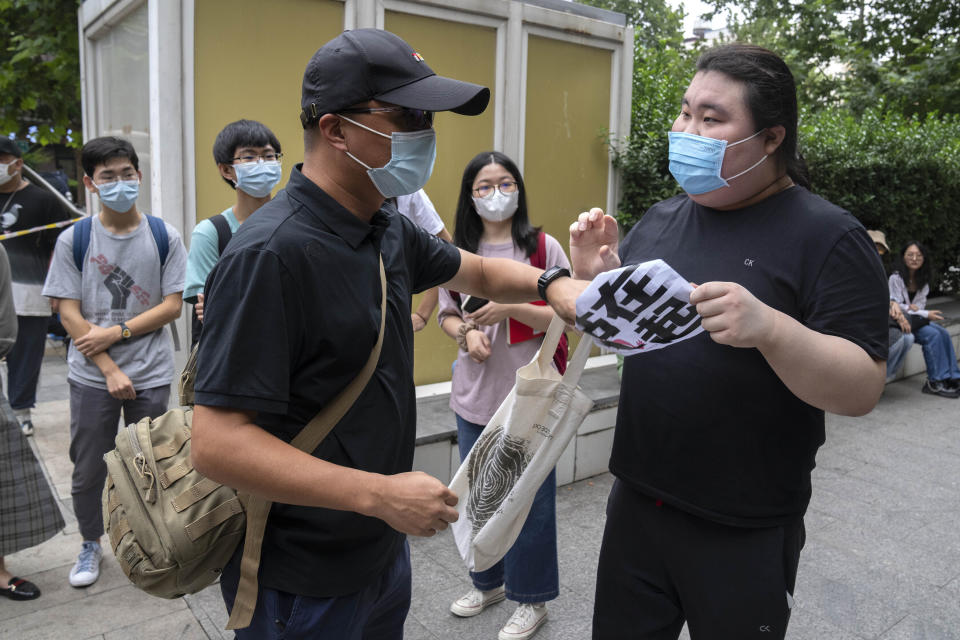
(547, 277)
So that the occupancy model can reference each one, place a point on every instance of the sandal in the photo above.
(20, 589)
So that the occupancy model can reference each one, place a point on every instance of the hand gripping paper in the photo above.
(638, 308)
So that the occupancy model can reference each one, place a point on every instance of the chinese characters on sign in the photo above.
(638, 308)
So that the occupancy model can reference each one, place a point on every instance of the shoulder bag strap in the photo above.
(307, 440)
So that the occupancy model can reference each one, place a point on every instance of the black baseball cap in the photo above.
(373, 64)
(9, 147)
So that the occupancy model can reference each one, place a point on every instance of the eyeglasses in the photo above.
(126, 176)
(913, 256)
(413, 119)
(486, 190)
(266, 157)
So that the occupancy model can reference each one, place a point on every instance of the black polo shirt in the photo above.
(292, 314)
(711, 428)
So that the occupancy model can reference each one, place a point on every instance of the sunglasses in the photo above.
(413, 119)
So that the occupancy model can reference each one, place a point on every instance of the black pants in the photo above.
(24, 360)
(660, 566)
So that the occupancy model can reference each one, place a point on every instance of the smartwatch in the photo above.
(125, 333)
(547, 278)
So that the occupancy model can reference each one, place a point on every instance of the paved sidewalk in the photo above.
(882, 558)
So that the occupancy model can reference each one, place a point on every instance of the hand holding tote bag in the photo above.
(516, 452)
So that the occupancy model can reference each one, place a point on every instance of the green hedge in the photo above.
(897, 174)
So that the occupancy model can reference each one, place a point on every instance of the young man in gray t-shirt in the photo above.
(129, 284)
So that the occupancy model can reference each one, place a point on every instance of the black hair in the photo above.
(771, 96)
(98, 151)
(468, 227)
(242, 133)
(923, 273)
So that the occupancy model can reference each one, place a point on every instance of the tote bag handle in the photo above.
(550, 341)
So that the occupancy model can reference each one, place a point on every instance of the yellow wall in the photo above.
(565, 156)
(249, 58)
(466, 52)
(568, 108)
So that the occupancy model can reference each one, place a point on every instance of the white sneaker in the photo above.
(87, 569)
(524, 622)
(476, 601)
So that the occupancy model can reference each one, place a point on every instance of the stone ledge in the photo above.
(436, 422)
(437, 453)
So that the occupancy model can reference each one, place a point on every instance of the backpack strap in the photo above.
(539, 258)
(81, 240)
(307, 440)
(224, 234)
(159, 230)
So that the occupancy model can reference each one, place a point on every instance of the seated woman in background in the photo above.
(909, 287)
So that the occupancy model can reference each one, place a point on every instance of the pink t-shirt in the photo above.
(478, 389)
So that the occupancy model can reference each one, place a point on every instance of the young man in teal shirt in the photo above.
(248, 157)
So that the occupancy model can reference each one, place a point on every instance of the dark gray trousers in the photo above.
(94, 415)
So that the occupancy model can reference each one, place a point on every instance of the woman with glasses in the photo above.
(492, 221)
(909, 287)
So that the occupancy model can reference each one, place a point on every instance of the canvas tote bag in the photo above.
(516, 451)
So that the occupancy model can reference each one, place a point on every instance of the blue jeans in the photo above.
(938, 352)
(530, 567)
(898, 351)
(24, 360)
(375, 613)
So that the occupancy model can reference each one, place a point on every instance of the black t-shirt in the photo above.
(30, 254)
(292, 314)
(710, 428)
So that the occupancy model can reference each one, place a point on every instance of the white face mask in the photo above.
(4, 176)
(497, 207)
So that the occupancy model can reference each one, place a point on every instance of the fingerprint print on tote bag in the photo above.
(495, 464)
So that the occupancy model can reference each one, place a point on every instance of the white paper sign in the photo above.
(638, 308)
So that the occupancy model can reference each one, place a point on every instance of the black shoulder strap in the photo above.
(223, 232)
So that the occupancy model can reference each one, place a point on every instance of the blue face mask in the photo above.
(258, 178)
(119, 196)
(695, 161)
(411, 161)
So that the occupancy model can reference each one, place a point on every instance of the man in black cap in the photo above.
(292, 313)
(24, 205)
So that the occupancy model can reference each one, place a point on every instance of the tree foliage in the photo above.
(654, 19)
(861, 53)
(39, 69)
(662, 68)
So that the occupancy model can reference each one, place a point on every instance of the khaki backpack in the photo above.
(173, 530)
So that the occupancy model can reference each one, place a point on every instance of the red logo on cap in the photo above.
(417, 57)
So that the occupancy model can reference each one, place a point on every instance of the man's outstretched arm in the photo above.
(507, 281)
